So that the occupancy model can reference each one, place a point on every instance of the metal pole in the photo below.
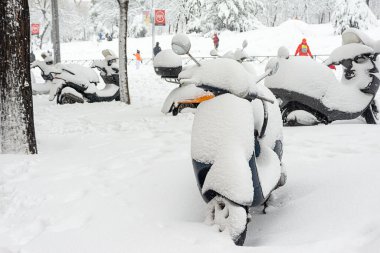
(55, 31)
(153, 28)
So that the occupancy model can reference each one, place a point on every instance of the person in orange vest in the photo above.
(138, 59)
(303, 49)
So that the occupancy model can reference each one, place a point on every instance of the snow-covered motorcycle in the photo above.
(236, 143)
(309, 93)
(78, 84)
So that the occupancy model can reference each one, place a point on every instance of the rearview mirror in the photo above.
(272, 66)
(181, 44)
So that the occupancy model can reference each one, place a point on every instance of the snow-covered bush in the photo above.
(352, 13)
(137, 29)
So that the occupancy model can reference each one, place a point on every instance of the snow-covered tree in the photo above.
(194, 15)
(104, 15)
(44, 19)
(16, 104)
(352, 13)
(75, 21)
(234, 15)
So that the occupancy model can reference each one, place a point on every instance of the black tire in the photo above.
(294, 106)
(229, 216)
(175, 111)
(68, 99)
(241, 239)
(371, 114)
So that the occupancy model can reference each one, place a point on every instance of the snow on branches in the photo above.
(352, 13)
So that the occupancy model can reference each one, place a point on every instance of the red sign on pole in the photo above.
(159, 17)
(35, 29)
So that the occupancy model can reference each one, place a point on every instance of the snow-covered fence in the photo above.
(265, 58)
(260, 59)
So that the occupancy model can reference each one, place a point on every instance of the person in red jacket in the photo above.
(303, 49)
(215, 39)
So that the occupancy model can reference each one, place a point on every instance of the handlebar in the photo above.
(251, 96)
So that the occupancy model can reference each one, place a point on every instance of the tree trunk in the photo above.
(16, 104)
(123, 63)
(367, 1)
(55, 31)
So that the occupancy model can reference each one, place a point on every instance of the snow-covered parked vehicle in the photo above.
(236, 142)
(48, 71)
(309, 93)
(78, 84)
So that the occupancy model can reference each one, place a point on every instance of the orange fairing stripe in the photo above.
(197, 100)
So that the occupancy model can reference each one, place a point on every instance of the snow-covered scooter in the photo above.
(77, 84)
(309, 93)
(236, 143)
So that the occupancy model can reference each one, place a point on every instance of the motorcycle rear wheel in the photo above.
(371, 114)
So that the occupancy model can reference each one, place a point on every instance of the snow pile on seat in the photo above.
(74, 79)
(80, 71)
(355, 36)
(182, 93)
(80, 76)
(103, 65)
(167, 59)
(221, 73)
(303, 75)
(348, 51)
(108, 91)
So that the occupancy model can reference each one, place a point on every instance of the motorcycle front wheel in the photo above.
(229, 216)
(69, 96)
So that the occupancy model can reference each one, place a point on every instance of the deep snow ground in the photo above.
(116, 178)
